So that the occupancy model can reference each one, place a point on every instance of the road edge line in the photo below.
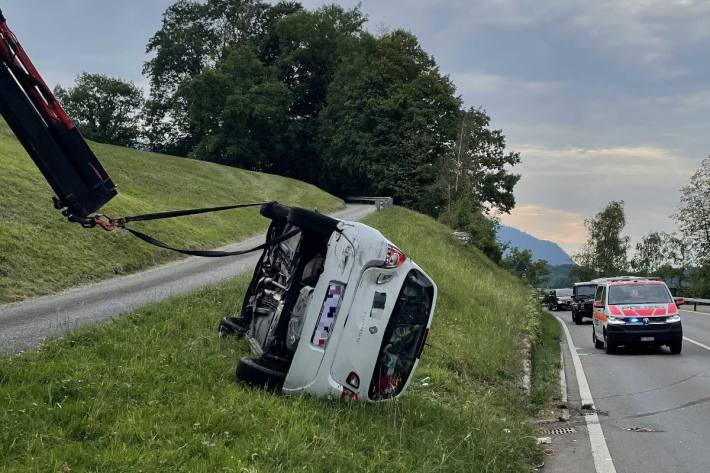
(696, 343)
(603, 462)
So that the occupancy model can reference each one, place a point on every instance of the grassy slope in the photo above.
(546, 361)
(40, 253)
(154, 391)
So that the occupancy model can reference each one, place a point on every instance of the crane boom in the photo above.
(80, 182)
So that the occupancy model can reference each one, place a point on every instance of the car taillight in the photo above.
(395, 257)
(353, 380)
(348, 395)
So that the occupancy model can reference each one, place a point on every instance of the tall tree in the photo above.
(193, 36)
(238, 113)
(693, 216)
(605, 251)
(649, 255)
(479, 166)
(390, 119)
(104, 108)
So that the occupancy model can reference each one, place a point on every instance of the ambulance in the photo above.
(631, 310)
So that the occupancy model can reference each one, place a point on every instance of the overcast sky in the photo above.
(605, 99)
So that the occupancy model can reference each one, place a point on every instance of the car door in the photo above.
(597, 312)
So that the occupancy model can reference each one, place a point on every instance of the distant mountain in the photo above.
(541, 249)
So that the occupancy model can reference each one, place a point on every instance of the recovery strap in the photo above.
(111, 224)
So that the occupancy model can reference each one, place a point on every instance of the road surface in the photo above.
(654, 407)
(25, 324)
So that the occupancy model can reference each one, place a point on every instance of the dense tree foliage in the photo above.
(312, 95)
(522, 263)
(389, 121)
(105, 109)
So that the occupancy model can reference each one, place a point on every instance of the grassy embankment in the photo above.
(155, 390)
(40, 253)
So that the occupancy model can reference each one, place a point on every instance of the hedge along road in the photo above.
(25, 324)
(653, 406)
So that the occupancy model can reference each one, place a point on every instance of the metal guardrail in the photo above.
(696, 302)
(379, 202)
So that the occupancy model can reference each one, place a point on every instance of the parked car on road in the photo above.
(560, 299)
(635, 311)
(583, 301)
(335, 310)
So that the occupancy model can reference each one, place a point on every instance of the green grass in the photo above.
(546, 362)
(154, 391)
(41, 254)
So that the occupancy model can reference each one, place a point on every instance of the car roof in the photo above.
(587, 283)
(639, 282)
(624, 278)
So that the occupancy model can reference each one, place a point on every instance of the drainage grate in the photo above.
(562, 431)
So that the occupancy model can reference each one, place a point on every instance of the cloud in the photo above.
(561, 226)
(640, 161)
(472, 83)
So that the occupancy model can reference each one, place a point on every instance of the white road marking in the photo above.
(696, 343)
(600, 451)
(694, 311)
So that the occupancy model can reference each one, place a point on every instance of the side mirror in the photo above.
(599, 304)
(679, 301)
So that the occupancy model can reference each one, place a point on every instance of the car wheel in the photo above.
(609, 346)
(257, 372)
(577, 318)
(598, 344)
(676, 347)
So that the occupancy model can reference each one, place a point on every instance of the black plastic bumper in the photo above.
(661, 333)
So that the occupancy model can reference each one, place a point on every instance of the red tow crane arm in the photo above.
(78, 179)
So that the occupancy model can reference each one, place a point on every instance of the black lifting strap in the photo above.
(111, 224)
(212, 254)
(184, 213)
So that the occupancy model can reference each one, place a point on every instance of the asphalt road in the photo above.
(25, 324)
(664, 399)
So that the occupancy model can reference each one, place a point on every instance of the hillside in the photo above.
(170, 402)
(541, 249)
(40, 253)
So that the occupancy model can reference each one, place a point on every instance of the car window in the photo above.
(403, 337)
(639, 294)
(585, 291)
(599, 296)
(564, 292)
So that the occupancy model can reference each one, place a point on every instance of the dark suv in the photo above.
(583, 301)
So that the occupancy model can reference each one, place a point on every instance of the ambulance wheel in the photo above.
(676, 347)
(609, 346)
(598, 344)
(258, 373)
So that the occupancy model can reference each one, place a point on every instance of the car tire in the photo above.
(609, 346)
(576, 318)
(258, 373)
(598, 344)
(676, 347)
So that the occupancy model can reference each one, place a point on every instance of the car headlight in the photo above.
(673, 319)
(616, 320)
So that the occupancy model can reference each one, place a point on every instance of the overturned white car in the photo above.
(335, 310)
